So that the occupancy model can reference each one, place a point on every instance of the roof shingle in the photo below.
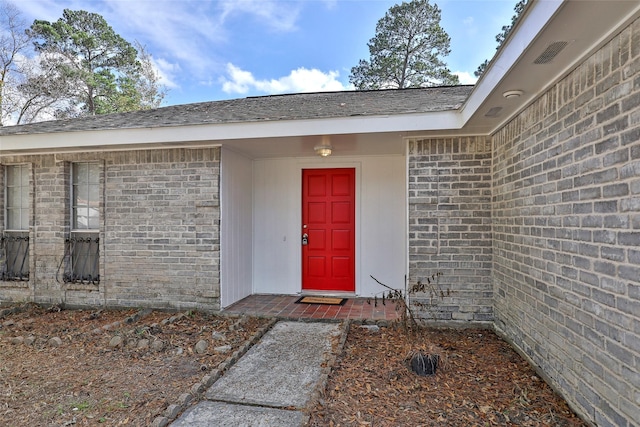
(302, 106)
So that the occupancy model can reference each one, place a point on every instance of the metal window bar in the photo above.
(15, 251)
(82, 253)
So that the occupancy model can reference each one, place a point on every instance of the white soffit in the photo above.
(577, 28)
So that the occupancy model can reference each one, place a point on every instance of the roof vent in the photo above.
(550, 52)
(494, 112)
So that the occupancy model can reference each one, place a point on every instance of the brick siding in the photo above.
(450, 227)
(159, 236)
(566, 234)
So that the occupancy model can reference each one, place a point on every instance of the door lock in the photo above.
(305, 239)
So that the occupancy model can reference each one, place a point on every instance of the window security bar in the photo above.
(15, 250)
(80, 260)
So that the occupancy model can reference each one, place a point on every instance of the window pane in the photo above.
(13, 219)
(24, 219)
(14, 197)
(80, 173)
(93, 218)
(93, 194)
(81, 216)
(94, 174)
(86, 196)
(12, 176)
(17, 197)
(81, 194)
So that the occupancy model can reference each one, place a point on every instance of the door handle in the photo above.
(305, 239)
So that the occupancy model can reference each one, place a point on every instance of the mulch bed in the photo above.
(481, 382)
(84, 381)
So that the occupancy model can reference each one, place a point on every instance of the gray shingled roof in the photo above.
(323, 105)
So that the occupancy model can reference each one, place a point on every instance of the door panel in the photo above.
(328, 218)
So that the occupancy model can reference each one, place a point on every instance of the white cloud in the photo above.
(466, 78)
(167, 72)
(280, 16)
(162, 25)
(299, 80)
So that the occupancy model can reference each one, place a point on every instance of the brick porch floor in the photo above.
(285, 307)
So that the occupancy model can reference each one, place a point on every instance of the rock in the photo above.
(29, 340)
(8, 323)
(383, 323)
(201, 346)
(157, 345)
(373, 329)
(54, 342)
(172, 411)
(197, 388)
(160, 421)
(218, 336)
(237, 325)
(222, 349)
(116, 342)
(143, 344)
(185, 399)
(179, 351)
(17, 340)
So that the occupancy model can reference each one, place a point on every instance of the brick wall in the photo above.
(159, 236)
(450, 226)
(566, 233)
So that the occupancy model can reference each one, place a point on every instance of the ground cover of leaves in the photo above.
(85, 381)
(483, 383)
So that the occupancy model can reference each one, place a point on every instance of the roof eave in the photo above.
(216, 134)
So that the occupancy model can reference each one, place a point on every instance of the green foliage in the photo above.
(506, 29)
(101, 69)
(406, 50)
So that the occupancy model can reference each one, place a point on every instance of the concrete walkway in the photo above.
(272, 383)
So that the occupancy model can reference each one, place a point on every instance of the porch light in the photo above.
(512, 94)
(323, 150)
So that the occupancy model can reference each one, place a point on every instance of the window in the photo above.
(15, 239)
(86, 196)
(83, 251)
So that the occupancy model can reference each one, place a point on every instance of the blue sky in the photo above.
(211, 50)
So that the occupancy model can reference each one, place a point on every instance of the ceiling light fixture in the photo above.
(512, 94)
(323, 150)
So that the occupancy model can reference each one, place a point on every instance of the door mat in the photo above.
(321, 300)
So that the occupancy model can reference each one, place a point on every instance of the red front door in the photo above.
(328, 230)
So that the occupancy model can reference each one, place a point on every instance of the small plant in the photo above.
(401, 299)
(81, 406)
(425, 359)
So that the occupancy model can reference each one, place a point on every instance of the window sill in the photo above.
(14, 284)
(82, 286)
